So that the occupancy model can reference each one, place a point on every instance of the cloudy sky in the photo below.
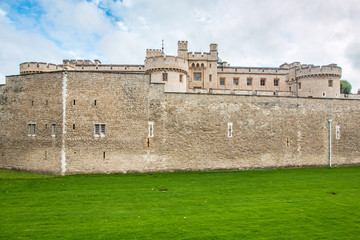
(248, 32)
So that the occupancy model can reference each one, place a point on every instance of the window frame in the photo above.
(276, 82)
(53, 130)
(222, 81)
(263, 82)
(99, 129)
(330, 83)
(32, 129)
(249, 82)
(196, 76)
(236, 81)
(165, 77)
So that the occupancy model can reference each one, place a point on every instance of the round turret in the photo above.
(170, 70)
(316, 81)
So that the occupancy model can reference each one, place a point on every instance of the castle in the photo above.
(186, 112)
(205, 72)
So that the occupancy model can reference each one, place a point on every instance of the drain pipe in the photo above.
(329, 120)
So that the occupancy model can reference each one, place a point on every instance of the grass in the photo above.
(309, 203)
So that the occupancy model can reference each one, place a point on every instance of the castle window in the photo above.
(337, 132)
(276, 82)
(210, 76)
(165, 77)
(299, 85)
(249, 82)
(73, 126)
(236, 81)
(230, 130)
(197, 76)
(210, 64)
(289, 89)
(222, 81)
(330, 83)
(180, 78)
(100, 130)
(53, 128)
(74, 102)
(262, 81)
(324, 94)
(104, 155)
(94, 102)
(151, 129)
(32, 129)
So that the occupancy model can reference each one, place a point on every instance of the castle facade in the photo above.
(186, 112)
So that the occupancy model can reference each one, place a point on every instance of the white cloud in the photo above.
(2, 13)
(249, 33)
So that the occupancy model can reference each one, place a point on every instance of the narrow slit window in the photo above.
(73, 126)
(94, 102)
(337, 136)
(74, 102)
(104, 155)
(230, 130)
(53, 129)
(151, 129)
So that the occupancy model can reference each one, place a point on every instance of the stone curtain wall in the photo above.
(31, 99)
(190, 130)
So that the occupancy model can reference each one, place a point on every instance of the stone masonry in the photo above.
(92, 121)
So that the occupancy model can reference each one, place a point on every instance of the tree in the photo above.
(345, 87)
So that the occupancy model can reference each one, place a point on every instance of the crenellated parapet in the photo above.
(153, 53)
(311, 71)
(159, 63)
(38, 67)
(77, 65)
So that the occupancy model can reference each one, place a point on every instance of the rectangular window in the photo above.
(165, 77)
(324, 94)
(151, 129)
(262, 81)
(53, 130)
(337, 132)
(276, 82)
(210, 77)
(180, 78)
(299, 85)
(330, 83)
(230, 130)
(197, 76)
(32, 129)
(236, 81)
(97, 129)
(222, 81)
(102, 130)
(249, 82)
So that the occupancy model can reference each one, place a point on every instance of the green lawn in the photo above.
(309, 203)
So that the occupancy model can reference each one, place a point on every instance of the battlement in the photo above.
(153, 53)
(252, 70)
(183, 45)
(77, 65)
(163, 62)
(38, 67)
(311, 70)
